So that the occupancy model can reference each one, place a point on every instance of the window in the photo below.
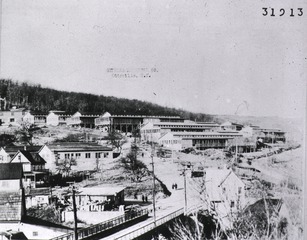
(35, 234)
(105, 155)
(87, 155)
(232, 204)
(66, 155)
(98, 155)
(78, 155)
(239, 190)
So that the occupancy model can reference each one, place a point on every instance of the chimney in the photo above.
(25, 147)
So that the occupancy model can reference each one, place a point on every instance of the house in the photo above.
(85, 155)
(225, 193)
(86, 120)
(35, 174)
(100, 198)
(28, 118)
(12, 117)
(55, 118)
(8, 152)
(103, 122)
(4, 156)
(12, 205)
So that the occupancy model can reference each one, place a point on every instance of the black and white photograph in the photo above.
(153, 119)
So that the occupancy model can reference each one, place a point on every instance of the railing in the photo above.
(150, 226)
(194, 208)
(103, 226)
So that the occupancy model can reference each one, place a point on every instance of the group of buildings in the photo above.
(39, 161)
(172, 132)
(202, 136)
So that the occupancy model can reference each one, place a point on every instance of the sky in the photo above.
(216, 57)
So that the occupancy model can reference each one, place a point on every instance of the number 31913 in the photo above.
(281, 12)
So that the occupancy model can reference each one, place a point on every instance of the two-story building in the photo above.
(56, 118)
(35, 173)
(103, 122)
(224, 192)
(12, 117)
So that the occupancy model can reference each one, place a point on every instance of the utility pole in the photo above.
(153, 188)
(183, 172)
(75, 212)
(236, 158)
(185, 190)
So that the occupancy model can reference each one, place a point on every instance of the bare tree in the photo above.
(116, 140)
(64, 166)
(259, 221)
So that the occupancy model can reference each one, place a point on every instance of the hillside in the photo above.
(41, 99)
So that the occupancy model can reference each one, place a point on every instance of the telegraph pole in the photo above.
(75, 213)
(185, 190)
(153, 189)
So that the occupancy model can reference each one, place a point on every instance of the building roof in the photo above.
(39, 191)
(77, 146)
(10, 171)
(15, 149)
(34, 158)
(12, 235)
(100, 191)
(185, 124)
(214, 178)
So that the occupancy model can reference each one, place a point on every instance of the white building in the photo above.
(150, 132)
(225, 192)
(170, 141)
(86, 155)
(28, 118)
(103, 122)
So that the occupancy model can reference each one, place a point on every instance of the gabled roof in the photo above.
(106, 114)
(10, 171)
(34, 158)
(15, 149)
(13, 235)
(215, 178)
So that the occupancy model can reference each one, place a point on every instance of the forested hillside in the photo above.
(41, 99)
